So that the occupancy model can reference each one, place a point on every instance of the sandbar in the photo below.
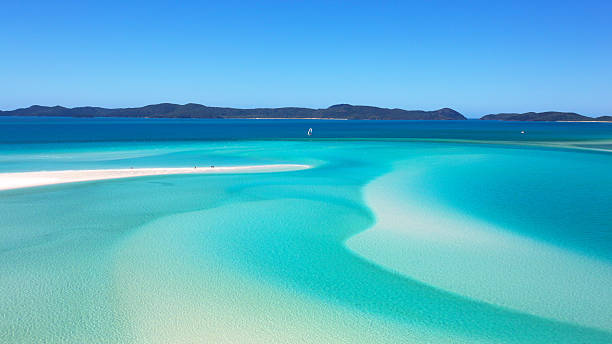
(17, 180)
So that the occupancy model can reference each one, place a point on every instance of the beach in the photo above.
(17, 180)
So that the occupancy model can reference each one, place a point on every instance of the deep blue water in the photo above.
(45, 129)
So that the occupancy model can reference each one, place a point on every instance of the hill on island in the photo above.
(544, 116)
(167, 110)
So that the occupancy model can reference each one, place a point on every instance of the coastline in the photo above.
(322, 118)
(584, 121)
(18, 180)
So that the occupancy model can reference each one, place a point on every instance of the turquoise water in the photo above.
(424, 232)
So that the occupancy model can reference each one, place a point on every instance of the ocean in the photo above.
(401, 232)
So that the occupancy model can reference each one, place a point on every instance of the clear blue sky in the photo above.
(475, 56)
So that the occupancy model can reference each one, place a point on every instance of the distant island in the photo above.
(339, 111)
(545, 116)
(168, 110)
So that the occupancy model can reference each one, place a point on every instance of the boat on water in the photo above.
(309, 132)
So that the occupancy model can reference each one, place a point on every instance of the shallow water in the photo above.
(425, 232)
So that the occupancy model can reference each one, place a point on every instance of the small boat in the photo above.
(309, 132)
(522, 131)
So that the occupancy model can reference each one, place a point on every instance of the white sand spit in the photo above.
(16, 180)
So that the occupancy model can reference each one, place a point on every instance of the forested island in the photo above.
(168, 110)
(551, 116)
(339, 111)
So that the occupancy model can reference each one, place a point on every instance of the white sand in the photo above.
(433, 243)
(16, 180)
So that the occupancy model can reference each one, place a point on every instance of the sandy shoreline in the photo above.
(324, 118)
(17, 180)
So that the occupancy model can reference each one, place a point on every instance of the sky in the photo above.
(477, 57)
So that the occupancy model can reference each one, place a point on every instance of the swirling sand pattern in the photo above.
(263, 258)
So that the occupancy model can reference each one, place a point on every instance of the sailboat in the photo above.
(309, 132)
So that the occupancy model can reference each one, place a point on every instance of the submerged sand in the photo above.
(453, 251)
(16, 180)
